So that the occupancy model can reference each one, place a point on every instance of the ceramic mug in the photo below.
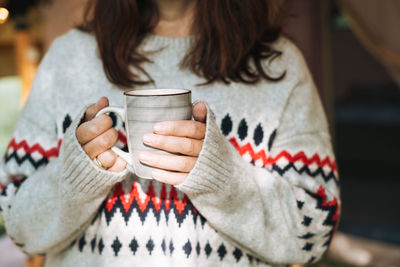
(144, 108)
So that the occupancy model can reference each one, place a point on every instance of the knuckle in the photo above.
(160, 160)
(186, 165)
(172, 127)
(100, 142)
(113, 135)
(158, 141)
(79, 133)
(182, 164)
(113, 155)
(119, 165)
(194, 128)
(104, 141)
(111, 158)
(93, 129)
(105, 119)
(90, 110)
(188, 147)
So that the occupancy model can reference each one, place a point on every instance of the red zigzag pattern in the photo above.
(49, 153)
(45, 153)
(158, 202)
(247, 148)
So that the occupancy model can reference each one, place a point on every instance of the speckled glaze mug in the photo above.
(144, 108)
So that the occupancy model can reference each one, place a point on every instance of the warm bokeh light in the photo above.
(3, 15)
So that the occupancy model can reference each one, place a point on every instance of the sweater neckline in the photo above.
(153, 41)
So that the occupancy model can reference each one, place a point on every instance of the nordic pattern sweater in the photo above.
(264, 190)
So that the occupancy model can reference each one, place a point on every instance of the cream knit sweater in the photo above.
(264, 190)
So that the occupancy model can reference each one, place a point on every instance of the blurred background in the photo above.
(353, 50)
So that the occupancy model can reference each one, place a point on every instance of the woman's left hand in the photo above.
(184, 137)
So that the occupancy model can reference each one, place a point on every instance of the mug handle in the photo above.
(121, 113)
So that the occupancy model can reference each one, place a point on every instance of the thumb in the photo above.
(94, 108)
(200, 111)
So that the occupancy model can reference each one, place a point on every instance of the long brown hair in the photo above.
(233, 38)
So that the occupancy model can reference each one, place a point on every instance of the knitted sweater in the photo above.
(263, 192)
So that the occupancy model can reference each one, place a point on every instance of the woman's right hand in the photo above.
(96, 136)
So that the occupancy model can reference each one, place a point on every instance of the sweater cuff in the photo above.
(213, 168)
(79, 173)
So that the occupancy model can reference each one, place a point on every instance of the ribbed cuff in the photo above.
(79, 173)
(213, 167)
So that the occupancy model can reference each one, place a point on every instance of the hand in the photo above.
(184, 137)
(96, 136)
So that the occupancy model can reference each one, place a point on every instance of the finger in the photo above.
(107, 158)
(183, 145)
(168, 162)
(89, 130)
(186, 128)
(200, 112)
(172, 178)
(92, 110)
(101, 143)
(99, 164)
(119, 165)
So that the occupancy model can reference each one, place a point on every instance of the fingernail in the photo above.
(160, 127)
(148, 138)
(145, 157)
(157, 174)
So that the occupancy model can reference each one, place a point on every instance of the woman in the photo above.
(256, 183)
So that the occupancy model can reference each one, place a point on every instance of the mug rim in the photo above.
(131, 92)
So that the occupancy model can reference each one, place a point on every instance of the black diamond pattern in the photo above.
(311, 260)
(307, 236)
(242, 130)
(237, 253)
(208, 249)
(226, 125)
(258, 135)
(163, 246)
(134, 245)
(198, 248)
(202, 220)
(307, 220)
(66, 123)
(17, 183)
(300, 204)
(308, 246)
(82, 243)
(271, 140)
(221, 252)
(101, 246)
(250, 258)
(187, 248)
(116, 246)
(171, 247)
(93, 243)
(150, 245)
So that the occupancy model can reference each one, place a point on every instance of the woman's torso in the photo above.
(144, 222)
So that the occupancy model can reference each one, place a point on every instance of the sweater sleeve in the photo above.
(50, 189)
(286, 211)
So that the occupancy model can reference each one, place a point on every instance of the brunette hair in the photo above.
(233, 38)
